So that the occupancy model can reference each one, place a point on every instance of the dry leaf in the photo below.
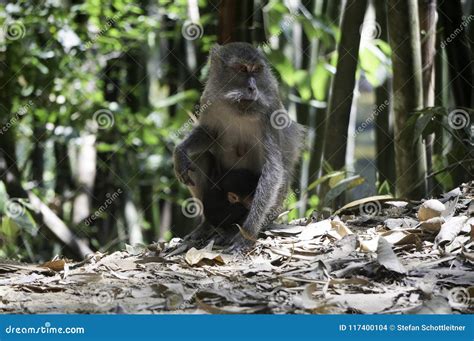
(369, 245)
(435, 305)
(432, 225)
(340, 228)
(400, 223)
(400, 237)
(353, 281)
(366, 303)
(450, 229)
(228, 309)
(306, 300)
(55, 265)
(315, 229)
(388, 258)
(195, 256)
(344, 247)
(358, 203)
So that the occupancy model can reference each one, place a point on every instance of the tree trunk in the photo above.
(132, 220)
(226, 26)
(236, 21)
(458, 51)
(342, 89)
(63, 172)
(85, 157)
(108, 226)
(37, 154)
(9, 172)
(404, 28)
(441, 90)
(385, 154)
(258, 27)
(190, 47)
(331, 12)
(165, 220)
(427, 16)
(300, 110)
(461, 79)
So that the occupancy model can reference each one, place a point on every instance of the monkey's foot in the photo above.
(197, 238)
(224, 236)
(201, 234)
(240, 245)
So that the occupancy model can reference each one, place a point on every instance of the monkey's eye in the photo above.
(257, 68)
(240, 67)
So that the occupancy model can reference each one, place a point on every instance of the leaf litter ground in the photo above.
(377, 256)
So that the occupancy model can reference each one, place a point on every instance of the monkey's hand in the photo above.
(182, 166)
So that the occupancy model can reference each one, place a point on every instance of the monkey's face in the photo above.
(243, 77)
(235, 198)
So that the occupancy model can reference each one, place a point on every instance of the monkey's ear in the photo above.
(214, 53)
(215, 49)
(232, 198)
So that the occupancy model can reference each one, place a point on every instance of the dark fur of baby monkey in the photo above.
(228, 202)
(242, 125)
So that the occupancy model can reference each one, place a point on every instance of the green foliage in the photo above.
(375, 62)
(9, 233)
(342, 186)
(320, 80)
(63, 66)
(439, 119)
(338, 182)
(384, 189)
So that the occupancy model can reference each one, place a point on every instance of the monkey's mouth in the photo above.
(248, 100)
(239, 97)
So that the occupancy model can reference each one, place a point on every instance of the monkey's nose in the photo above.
(252, 88)
(252, 94)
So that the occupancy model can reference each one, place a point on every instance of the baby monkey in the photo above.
(228, 202)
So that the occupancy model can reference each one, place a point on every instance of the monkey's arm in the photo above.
(267, 193)
(199, 141)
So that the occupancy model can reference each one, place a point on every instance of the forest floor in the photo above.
(374, 257)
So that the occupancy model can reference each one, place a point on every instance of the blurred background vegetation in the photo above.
(95, 94)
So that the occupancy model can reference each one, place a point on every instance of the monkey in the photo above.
(244, 126)
(228, 201)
